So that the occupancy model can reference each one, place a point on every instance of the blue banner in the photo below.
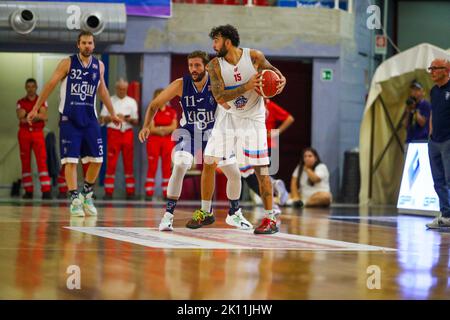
(148, 8)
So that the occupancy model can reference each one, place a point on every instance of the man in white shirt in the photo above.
(120, 139)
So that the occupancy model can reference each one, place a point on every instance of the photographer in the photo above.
(417, 114)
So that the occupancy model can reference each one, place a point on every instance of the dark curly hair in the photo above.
(227, 32)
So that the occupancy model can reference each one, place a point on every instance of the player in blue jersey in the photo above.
(199, 109)
(81, 77)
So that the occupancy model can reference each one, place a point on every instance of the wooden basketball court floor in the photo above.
(337, 253)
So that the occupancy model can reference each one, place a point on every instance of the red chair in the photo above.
(263, 3)
(227, 2)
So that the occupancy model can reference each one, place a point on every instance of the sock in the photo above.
(252, 182)
(270, 215)
(73, 194)
(171, 204)
(234, 206)
(87, 188)
(206, 206)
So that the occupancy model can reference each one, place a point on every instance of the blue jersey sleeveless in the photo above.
(78, 92)
(199, 107)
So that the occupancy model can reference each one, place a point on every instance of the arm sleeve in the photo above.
(295, 173)
(134, 109)
(425, 109)
(322, 171)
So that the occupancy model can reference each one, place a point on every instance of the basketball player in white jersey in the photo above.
(240, 121)
(199, 109)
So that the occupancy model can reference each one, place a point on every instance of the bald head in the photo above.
(440, 71)
(121, 88)
(441, 63)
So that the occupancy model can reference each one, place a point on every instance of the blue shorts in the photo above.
(85, 142)
(193, 146)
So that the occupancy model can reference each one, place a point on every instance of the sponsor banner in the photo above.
(148, 8)
(417, 186)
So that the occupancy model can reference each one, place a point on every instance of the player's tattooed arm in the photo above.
(261, 63)
(221, 94)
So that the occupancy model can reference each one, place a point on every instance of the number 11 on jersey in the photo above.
(191, 100)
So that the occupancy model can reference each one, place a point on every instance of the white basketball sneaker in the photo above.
(238, 220)
(166, 223)
(88, 204)
(76, 208)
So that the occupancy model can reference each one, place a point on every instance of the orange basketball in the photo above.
(270, 83)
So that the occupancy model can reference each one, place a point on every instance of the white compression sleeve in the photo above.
(233, 175)
(176, 180)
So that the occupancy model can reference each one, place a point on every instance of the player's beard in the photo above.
(86, 53)
(199, 76)
(222, 52)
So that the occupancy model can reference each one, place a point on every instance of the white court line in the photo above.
(216, 238)
(321, 241)
(383, 218)
(152, 237)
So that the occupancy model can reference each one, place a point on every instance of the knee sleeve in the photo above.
(233, 181)
(176, 180)
(182, 163)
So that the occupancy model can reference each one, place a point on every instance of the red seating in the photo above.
(192, 1)
(227, 2)
(264, 3)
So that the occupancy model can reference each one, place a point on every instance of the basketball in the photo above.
(270, 83)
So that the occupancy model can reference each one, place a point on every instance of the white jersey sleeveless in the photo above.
(250, 104)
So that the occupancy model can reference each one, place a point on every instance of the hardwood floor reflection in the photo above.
(36, 250)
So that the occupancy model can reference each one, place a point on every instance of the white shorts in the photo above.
(186, 158)
(244, 138)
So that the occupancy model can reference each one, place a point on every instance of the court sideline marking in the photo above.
(223, 238)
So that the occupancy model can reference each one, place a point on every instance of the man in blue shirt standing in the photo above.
(439, 143)
(417, 117)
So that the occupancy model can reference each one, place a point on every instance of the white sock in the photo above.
(206, 205)
(270, 214)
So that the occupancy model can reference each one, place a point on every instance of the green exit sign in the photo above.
(327, 74)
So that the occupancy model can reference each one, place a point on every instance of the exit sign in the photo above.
(380, 44)
(327, 74)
